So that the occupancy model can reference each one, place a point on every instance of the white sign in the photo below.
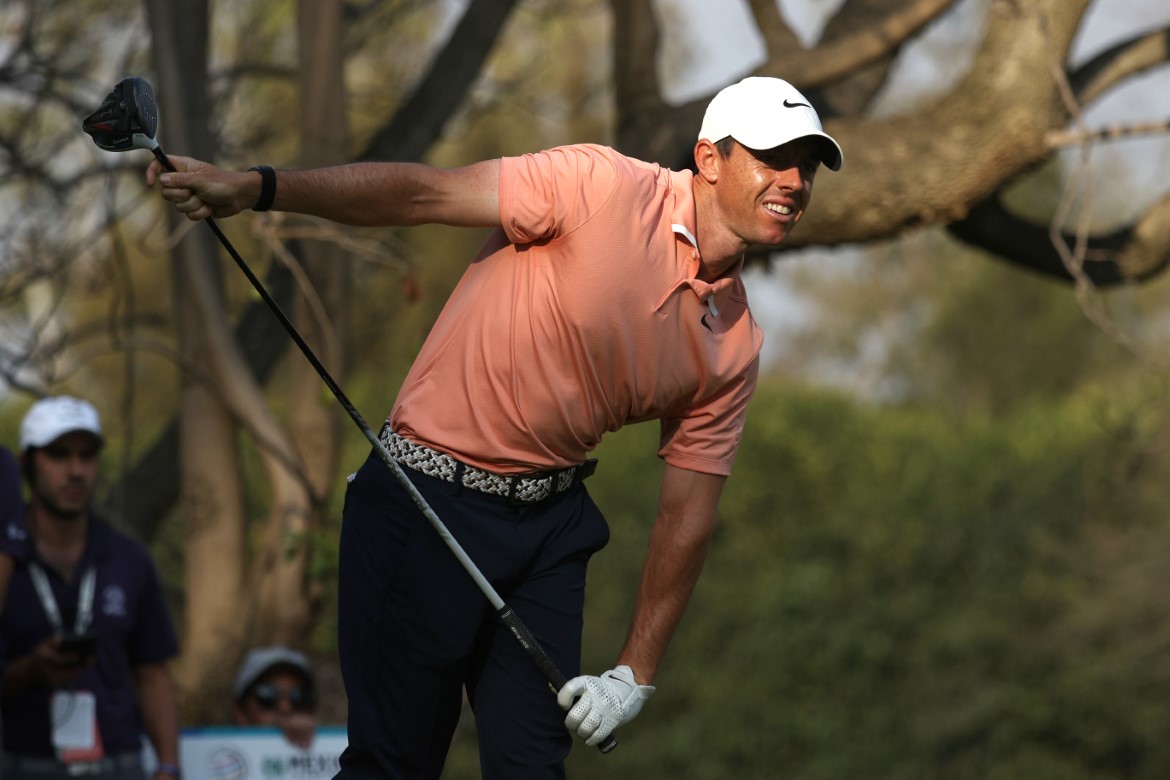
(260, 753)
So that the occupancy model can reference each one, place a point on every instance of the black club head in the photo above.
(126, 119)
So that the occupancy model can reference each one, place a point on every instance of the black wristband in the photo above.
(267, 187)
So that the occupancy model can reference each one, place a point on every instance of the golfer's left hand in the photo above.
(606, 702)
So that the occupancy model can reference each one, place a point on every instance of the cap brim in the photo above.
(45, 439)
(831, 155)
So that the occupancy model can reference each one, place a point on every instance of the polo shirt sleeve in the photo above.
(706, 436)
(153, 639)
(13, 533)
(549, 194)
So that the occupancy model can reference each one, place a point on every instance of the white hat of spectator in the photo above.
(51, 418)
(259, 661)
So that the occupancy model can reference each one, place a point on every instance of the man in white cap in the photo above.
(275, 687)
(87, 635)
(608, 292)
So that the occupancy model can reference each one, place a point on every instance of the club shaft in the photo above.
(506, 614)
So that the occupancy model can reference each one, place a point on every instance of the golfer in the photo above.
(609, 292)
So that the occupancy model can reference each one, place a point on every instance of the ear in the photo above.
(707, 160)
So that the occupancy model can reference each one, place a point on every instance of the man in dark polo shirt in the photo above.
(86, 632)
(13, 535)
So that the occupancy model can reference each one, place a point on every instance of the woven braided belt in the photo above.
(519, 488)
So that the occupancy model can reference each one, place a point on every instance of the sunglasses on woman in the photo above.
(268, 696)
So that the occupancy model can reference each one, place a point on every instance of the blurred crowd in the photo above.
(86, 638)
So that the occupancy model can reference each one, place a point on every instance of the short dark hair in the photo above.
(724, 146)
(26, 464)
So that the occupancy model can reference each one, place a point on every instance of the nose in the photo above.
(790, 178)
(78, 463)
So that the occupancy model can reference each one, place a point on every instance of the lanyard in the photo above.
(52, 612)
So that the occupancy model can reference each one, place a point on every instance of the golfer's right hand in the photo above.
(605, 703)
(200, 190)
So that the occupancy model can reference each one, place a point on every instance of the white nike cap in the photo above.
(51, 418)
(763, 113)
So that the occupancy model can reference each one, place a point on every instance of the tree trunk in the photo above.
(210, 506)
(286, 605)
(215, 522)
(324, 141)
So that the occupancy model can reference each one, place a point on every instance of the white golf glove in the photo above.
(606, 702)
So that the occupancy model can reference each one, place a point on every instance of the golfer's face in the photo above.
(768, 190)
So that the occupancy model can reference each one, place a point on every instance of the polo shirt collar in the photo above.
(682, 212)
(683, 223)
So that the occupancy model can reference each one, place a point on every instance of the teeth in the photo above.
(777, 209)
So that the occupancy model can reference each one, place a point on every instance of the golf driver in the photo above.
(128, 119)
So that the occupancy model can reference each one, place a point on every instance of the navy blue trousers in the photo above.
(414, 630)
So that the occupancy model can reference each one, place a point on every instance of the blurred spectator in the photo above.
(86, 632)
(275, 687)
(13, 535)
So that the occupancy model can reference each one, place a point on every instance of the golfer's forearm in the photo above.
(385, 194)
(669, 575)
(687, 515)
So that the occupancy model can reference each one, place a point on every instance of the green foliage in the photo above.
(894, 594)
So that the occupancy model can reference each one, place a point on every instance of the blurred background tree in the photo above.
(945, 537)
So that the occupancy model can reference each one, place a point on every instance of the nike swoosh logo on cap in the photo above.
(794, 105)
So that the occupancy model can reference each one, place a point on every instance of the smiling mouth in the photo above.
(776, 208)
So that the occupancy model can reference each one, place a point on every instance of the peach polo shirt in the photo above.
(581, 314)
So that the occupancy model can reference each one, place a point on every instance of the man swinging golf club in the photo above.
(609, 292)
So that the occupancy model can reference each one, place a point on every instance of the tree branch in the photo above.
(149, 489)
(420, 120)
(852, 95)
(869, 45)
(1059, 139)
(1129, 254)
(778, 36)
(1110, 67)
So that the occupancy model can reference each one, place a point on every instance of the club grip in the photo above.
(556, 678)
